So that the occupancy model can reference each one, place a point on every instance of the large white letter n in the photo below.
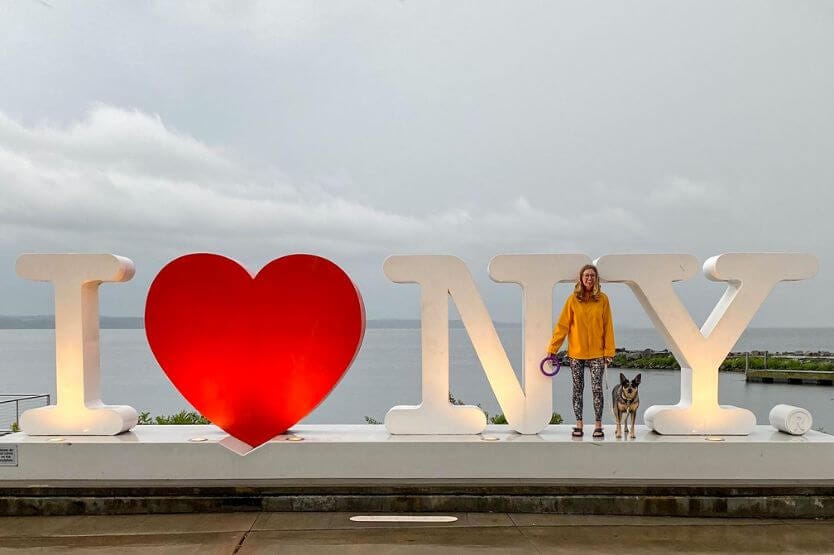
(527, 407)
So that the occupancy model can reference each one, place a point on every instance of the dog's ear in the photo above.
(637, 379)
(623, 380)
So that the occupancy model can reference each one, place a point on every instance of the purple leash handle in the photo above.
(555, 363)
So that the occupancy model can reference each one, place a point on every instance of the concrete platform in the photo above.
(312, 533)
(367, 452)
(162, 469)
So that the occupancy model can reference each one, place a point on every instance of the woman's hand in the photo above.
(608, 360)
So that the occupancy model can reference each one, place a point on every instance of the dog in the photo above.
(626, 402)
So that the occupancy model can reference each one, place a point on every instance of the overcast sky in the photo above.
(356, 130)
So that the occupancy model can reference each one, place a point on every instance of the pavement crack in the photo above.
(528, 539)
(240, 543)
(244, 536)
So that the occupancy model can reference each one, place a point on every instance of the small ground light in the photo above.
(489, 438)
(55, 439)
(198, 439)
(402, 518)
(714, 438)
(295, 438)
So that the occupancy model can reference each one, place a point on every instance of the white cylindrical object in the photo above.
(790, 419)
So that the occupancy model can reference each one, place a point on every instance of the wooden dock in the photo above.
(815, 377)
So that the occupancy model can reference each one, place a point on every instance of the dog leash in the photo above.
(555, 364)
(605, 375)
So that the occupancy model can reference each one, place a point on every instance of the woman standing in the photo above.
(586, 321)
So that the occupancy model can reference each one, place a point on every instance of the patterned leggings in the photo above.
(577, 370)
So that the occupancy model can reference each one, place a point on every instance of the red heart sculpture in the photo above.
(254, 356)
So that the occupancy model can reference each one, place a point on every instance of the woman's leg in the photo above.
(597, 368)
(577, 370)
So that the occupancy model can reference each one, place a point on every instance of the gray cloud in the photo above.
(125, 172)
(371, 128)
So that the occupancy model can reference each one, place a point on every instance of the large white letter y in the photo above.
(750, 277)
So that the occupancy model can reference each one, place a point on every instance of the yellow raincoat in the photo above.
(588, 326)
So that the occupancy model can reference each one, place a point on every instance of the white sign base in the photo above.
(105, 420)
(363, 453)
(682, 420)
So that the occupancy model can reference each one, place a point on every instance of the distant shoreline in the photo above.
(738, 361)
(47, 321)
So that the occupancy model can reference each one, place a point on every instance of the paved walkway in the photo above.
(312, 533)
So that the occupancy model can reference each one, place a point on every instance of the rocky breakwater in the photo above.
(649, 359)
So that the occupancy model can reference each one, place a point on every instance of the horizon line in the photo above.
(408, 320)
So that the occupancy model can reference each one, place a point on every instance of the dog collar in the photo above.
(624, 400)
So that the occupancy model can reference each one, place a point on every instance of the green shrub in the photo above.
(555, 418)
(655, 361)
(183, 417)
(145, 418)
(497, 419)
(651, 362)
(775, 363)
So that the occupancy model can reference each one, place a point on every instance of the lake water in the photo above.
(387, 373)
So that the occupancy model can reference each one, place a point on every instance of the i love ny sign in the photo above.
(256, 354)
